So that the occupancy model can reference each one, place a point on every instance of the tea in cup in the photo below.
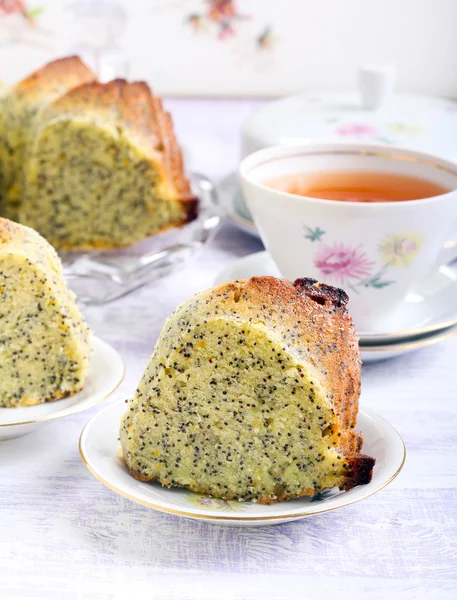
(369, 219)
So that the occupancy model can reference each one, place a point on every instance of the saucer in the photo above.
(106, 371)
(374, 353)
(99, 449)
(232, 200)
(432, 307)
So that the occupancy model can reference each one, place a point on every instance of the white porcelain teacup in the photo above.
(376, 251)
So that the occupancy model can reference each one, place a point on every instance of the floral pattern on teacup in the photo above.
(203, 501)
(405, 129)
(349, 266)
(356, 130)
(399, 250)
(342, 262)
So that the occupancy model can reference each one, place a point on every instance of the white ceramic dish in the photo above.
(99, 449)
(234, 205)
(106, 371)
(375, 353)
(429, 309)
(100, 277)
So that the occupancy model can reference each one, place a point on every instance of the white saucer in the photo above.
(106, 371)
(99, 449)
(429, 309)
(236, 211)
(375, 353)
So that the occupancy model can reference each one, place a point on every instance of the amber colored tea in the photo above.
(357, 186)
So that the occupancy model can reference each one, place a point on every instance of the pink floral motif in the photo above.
(343, 262)
(355, 130)
(205, 501)
(224, 18)
(9, 7)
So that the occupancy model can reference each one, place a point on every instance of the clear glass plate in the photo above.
(100, 277)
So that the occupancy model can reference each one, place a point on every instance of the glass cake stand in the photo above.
(103, 276)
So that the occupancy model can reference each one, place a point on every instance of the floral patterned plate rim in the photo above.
(98, 447)
(432, 307)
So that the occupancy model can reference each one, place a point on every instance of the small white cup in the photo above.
(375, 251)
(376, 84)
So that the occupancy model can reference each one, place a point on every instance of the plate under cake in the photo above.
(100, 452)
(105, 373)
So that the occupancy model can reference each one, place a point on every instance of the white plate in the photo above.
(100, 277)
(99, 448)
(429, 309)
(106, 371)
(232, 201)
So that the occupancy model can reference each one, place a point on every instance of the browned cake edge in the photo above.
(133, 108)
(306, 297)
(68, 71)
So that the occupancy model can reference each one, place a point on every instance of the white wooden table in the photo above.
(64, 535)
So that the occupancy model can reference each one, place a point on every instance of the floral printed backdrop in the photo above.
(246, 47)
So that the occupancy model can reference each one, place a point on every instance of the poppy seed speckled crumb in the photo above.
(20, 106)
(44, 341)
(251, 393)
(90, 165)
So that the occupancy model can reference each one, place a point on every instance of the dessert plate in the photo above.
(100, 451)
(432, 307)
(106, 371)
(100, 277)
(232, 201)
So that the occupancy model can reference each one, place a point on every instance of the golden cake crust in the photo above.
(311, 321)
(135, 112)
(20, 107)
(64, 72)
(19, 238)
(289, 308)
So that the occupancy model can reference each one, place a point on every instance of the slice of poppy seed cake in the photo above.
(44, 341)
(251, 393)
(19, 107)
(104, 170)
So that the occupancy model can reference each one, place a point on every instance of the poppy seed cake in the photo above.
(103, 169)
(251, 393)
(20, 106)
(90, 165)
(44, 341)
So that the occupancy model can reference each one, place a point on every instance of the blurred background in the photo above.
(257, 48)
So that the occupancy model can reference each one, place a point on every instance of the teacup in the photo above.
(377, 251)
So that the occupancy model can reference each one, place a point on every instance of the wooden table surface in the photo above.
(64, 535)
